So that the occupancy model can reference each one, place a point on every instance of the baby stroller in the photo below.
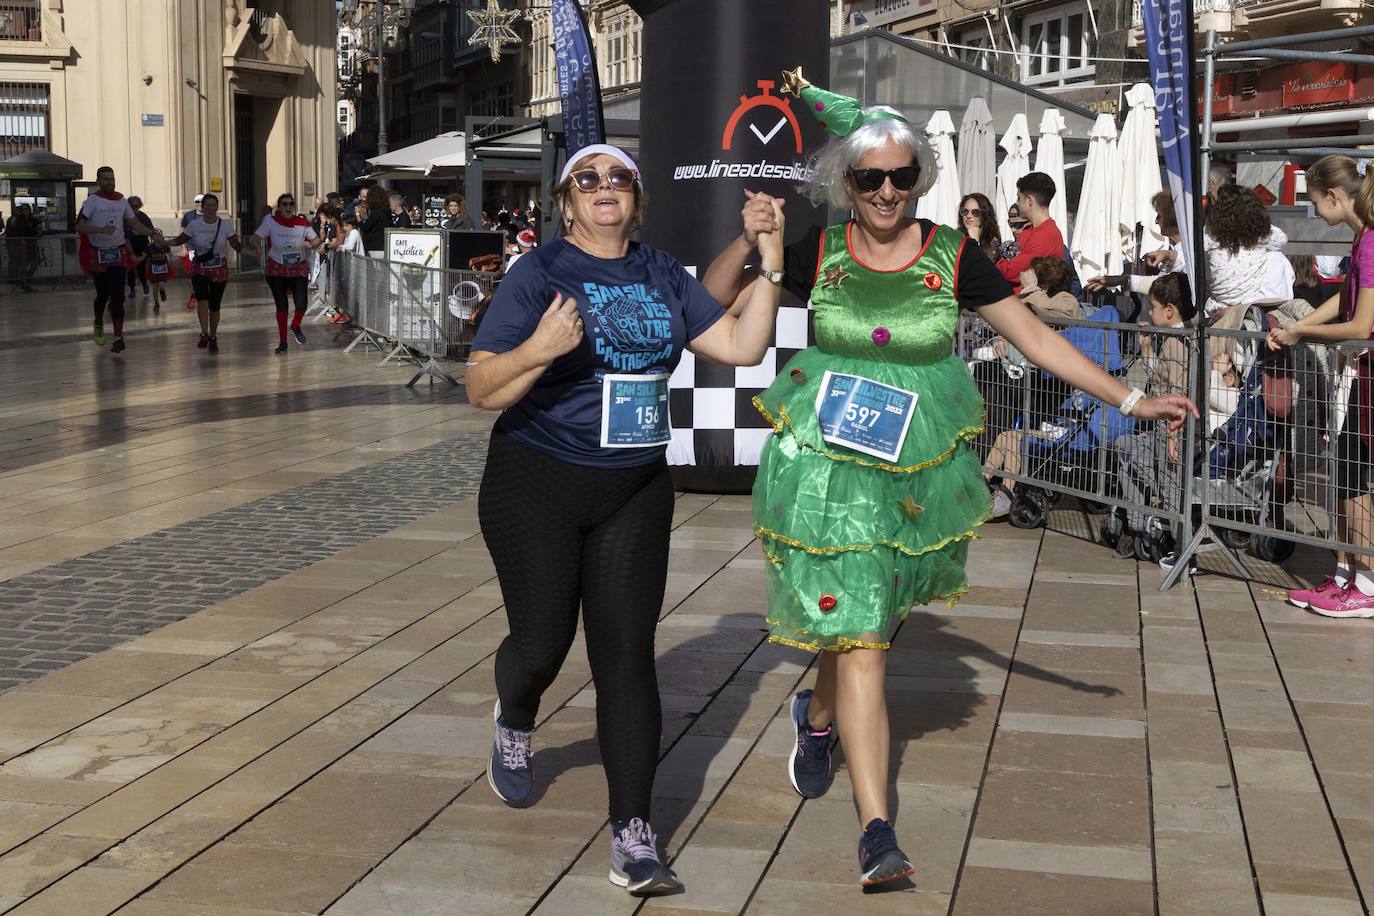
(1066, 451)
(1241, 461)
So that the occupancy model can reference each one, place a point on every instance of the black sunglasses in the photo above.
(903, 179)
(286, 203)
(1018, 223)
(590, 179)
(967, 211)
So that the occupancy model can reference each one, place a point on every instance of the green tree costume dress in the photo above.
(853, 542)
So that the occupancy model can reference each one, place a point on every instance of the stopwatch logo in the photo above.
(765, 99)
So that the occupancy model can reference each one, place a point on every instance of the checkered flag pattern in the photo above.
(711, 407)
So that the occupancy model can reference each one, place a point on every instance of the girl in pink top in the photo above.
(1342, 191)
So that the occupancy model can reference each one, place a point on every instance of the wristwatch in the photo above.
(772, 276)
(1132, 399)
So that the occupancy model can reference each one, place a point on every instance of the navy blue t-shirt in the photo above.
(638, 314)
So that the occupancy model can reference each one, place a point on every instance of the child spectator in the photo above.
(1045, 288)
(1150, 463)
(1342, 192)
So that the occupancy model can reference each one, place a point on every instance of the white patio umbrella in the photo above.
(1139, 172)
(977, 150)
(941, 202)
(1049, 158)
(1096, 246)
(1017, 143)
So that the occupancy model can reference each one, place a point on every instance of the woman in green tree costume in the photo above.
(868, 492)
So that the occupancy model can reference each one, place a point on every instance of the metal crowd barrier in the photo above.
(1044, 440)
(1283, 454)
(408, 311)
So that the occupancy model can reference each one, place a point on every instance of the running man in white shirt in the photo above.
(208, 239)
(105, 215)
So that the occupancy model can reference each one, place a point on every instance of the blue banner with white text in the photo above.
(1168, 30)
(578, 89)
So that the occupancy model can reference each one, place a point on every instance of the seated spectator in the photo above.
(1239, 240)
(1166, 260)
(1307, 285)
(1045, 288)
(1150, 462)
(1042, 238)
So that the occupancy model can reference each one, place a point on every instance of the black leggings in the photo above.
(207, 290)
(563, 535)
(297, 287)
(140, 272)
(109, 290)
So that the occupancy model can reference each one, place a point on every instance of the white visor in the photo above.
(596, 149)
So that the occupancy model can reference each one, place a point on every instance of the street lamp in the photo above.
(387, 17)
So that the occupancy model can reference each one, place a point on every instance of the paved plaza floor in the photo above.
(247, 625)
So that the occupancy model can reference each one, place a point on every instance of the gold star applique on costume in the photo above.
(794, 82)
(910, 509)
(834, 276)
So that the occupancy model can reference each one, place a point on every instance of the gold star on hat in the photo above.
(794, 82)
(834, 276)
(910, 509)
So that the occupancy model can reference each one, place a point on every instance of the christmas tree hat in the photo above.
(838, 114)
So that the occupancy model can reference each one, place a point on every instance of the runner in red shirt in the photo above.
(1042, 238)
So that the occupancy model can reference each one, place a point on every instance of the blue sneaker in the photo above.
(810, 765)
(509, 769)
(879, 858)
(635, 864)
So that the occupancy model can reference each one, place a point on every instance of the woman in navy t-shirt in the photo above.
(576, 502)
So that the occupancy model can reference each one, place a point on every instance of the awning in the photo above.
(40, 164)
(443, 156)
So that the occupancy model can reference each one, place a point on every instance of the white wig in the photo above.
(828, 167)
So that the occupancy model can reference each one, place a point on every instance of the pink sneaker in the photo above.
(1302, 597)
(1349, 602)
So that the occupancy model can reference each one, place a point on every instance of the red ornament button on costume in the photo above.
(933, 281)
(827, 603)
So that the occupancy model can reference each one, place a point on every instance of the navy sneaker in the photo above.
(635, 864)
(879, 858)
(509, 769)
(810, 765)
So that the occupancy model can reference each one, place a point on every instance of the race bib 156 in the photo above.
(634, 411)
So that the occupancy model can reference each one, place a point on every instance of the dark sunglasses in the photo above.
(1018, 223)
(286, 203)
(590, 179)
(966, 211)
(868, 180)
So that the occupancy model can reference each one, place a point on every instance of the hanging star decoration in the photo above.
(493, 28)
(910, 509)
(834, 276)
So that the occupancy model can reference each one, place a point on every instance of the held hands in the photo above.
(559, 331)
(761, 216)
(1174, 407)
(770, 240)
(1161, 258)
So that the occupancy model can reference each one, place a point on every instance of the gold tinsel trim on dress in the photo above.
(843, 643)
(968, 535)
(967, 434)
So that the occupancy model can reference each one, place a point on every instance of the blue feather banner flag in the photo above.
(578, 88)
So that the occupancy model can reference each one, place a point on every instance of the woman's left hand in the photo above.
(759, 216)
(770, 241)
(1174, 407)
